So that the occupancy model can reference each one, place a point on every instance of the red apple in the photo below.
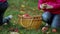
(26, 16)
(16, 30)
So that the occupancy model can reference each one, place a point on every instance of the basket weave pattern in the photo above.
(30, 23)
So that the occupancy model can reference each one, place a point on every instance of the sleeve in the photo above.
(55, 5)
(39, 3)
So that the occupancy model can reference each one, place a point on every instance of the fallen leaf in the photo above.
(23, 6)
(33, 8)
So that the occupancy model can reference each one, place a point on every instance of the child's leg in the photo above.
(56, 22)
(1, 18)
(47, 16)
(3, 7)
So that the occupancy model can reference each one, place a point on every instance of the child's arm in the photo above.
(55, 5)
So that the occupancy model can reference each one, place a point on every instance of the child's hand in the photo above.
(43, 6)
(49, 7)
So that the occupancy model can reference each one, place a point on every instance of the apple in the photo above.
(16, 30)
(26, 16)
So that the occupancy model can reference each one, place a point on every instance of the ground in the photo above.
(15, 8)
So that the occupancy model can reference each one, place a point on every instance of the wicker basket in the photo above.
(30, 23)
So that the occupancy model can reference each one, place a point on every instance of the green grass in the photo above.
(15, 9)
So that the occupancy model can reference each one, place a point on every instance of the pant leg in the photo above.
(56, 22)
(47, 17)
(3, 7)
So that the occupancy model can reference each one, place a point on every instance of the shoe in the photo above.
(45, 28)
(6, 20)
(54, 30)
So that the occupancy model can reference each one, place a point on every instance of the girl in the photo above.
(51, 13)
(3, 7)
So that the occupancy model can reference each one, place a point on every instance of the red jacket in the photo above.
(54, 3)
(2, 0)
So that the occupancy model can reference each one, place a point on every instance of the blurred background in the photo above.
(20, 7)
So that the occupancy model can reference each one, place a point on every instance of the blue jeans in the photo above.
(51, 19)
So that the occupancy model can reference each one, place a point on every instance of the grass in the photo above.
(30, 7)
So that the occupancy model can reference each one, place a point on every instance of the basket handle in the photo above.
(28, 25)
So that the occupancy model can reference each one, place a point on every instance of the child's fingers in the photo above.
(44, 5)
(41, 6)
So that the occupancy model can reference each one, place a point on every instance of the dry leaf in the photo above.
(23, 6)
(14, 33)
(33, 9)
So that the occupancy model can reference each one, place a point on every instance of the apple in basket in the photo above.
(26, 16)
